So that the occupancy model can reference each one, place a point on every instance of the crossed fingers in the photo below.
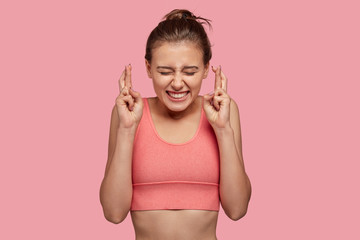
(125, 80)
(220, 79)
(219, 93)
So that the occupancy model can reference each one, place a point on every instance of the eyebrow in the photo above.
(186, 67)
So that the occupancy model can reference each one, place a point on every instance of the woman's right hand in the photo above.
(129, 103)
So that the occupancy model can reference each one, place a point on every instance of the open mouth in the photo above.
(177, 95)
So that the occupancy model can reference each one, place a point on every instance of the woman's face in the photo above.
(177, 71)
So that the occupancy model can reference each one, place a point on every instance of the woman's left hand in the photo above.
(217, 104)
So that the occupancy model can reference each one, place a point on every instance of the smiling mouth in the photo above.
(177, 95)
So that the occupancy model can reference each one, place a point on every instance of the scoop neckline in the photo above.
(169, 143)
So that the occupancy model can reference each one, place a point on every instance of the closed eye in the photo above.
(165, 73)
(187, 73)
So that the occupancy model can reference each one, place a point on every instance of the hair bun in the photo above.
(180, 14)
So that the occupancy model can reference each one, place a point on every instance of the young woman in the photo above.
(173, 158)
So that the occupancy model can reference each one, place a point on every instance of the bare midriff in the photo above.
(175, 224)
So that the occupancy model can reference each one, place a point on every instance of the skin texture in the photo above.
(175, 122)
(170, 71)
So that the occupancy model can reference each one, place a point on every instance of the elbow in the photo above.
(115, 215)
(237, 215)
(114, 212)
(115, 218)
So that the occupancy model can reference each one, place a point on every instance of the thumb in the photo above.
(135, 95)
(207, 100)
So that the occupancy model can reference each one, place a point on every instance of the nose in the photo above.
(177, 83)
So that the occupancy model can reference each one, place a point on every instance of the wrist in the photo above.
(224, 131)
(127, 131)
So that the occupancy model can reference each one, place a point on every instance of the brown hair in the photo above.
(180, 25)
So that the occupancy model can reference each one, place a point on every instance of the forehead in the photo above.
(177, 54)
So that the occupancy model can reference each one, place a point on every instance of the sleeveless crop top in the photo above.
(174, 176)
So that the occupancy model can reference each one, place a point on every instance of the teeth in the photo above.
(178, 95)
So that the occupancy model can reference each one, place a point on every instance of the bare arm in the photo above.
(223, 114)
(235, 187)
(116, 187)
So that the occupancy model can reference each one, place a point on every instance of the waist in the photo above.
(175, 224)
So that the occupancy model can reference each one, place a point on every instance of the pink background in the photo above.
(293, 69)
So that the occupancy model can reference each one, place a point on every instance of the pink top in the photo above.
(174, 176)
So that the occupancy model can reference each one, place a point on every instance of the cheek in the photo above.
(160, 82)
(196, 82)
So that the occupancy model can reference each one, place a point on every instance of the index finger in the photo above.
(217, 78)
(223, 80)
(128, 76)
(122, 81)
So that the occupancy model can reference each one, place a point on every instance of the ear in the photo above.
(206, 70)
(148, 68)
